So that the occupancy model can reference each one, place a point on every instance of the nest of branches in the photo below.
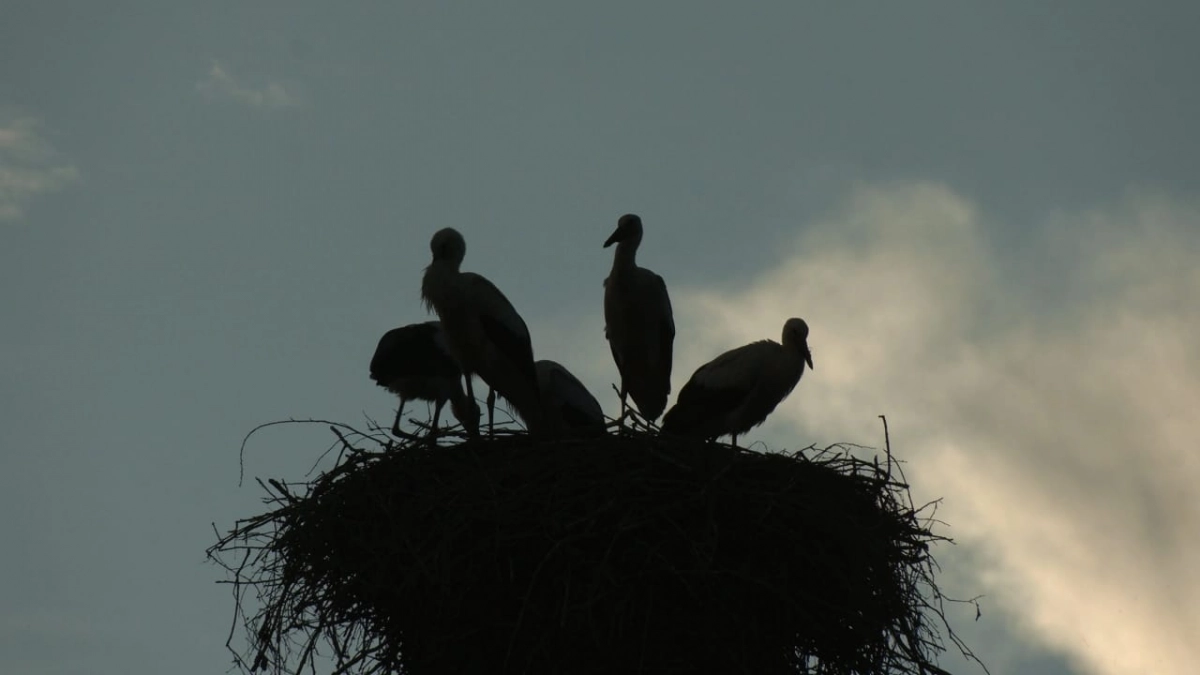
(627, 553)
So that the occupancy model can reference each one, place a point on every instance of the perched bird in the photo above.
(485, 334)
(638, 322)
(565, 397)
(737, 390)
(414, 362)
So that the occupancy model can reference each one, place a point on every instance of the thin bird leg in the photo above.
(396, 423)
(469, 408)
(437, 413)
(470, 394)
(471, 397)
(491, 404)
(735, 440)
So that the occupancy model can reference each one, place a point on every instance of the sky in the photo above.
(988, 215)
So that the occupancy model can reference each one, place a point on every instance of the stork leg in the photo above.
(624, 407)
(470, 394)
(471, 398)
(396, 422)
(437, 414)
(491, 404)
(735, 440)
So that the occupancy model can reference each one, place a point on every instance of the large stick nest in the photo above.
(632, 553)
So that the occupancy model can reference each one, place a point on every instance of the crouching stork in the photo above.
(736, 391)
(414, 363)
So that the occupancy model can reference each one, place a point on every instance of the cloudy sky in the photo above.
(989, 216)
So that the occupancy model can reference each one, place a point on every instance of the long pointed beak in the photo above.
(613, 238)
(808, 359)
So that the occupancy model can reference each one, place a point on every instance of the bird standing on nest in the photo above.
(414, 362)
(639, 323)
(485, 333)
(565, 397)
(736, 391)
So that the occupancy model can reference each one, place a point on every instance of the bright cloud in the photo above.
(220, 84)
(1049, 395)
(1055, 410)
(28, 167)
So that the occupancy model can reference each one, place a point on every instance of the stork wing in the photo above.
(415, 350)
(732, 374)
(579, 407)
(501, 323)
(716, 389)
(578, 395)
(666, 329)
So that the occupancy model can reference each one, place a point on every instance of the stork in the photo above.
(736, 391)
(638, 322)
(485, 334)
(414, 362)
(565, 397)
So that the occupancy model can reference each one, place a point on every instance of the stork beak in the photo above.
(808, 358)
(613, 238)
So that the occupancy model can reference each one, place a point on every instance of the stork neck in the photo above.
(444, 265)
(795, 351)
(626, 255)
(438, 283)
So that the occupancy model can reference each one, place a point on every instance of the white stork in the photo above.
(565, 397)
(638, 322)
(485, 334)
(736, 391)
(414, 362)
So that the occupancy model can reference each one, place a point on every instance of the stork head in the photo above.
(629, 228)
(467, 412)
(795, 336)
(448, 245)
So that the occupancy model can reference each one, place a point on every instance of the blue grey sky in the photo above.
(989, 215)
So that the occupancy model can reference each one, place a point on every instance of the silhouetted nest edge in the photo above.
(619, 554)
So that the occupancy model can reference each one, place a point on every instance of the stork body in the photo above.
(639, 323)
(485, 333)
(565, 397)
(736, 391)
(414, 362)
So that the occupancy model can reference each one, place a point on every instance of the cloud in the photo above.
(1048, 393)
(1057, 422)
(28, 167)
(221, 85)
